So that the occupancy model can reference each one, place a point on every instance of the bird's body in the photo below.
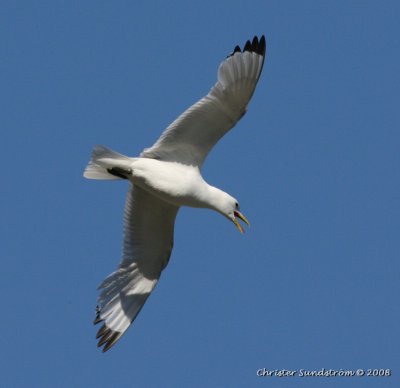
(175, 183)
(164, 178)
(172, 182)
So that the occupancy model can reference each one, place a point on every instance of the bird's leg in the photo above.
(120, 172)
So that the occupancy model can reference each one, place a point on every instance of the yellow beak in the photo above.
(243, 218)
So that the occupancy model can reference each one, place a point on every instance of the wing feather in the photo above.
(148, 240)
(193, 134)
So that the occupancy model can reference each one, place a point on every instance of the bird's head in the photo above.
(232, 212)
(227, 206)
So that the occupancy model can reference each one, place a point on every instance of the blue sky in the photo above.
(314, 283)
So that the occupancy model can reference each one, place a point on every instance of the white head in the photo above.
(229, 207)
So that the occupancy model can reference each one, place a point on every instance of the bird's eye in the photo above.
(236, 205)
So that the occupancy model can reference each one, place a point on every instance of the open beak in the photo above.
(243, 218)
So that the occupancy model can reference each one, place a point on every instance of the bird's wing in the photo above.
(192, 135)
(148, 240)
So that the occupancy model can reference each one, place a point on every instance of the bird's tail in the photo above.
(107, 164)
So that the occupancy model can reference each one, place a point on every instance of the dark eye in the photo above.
(236, 205)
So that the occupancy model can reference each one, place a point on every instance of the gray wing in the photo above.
(148, 240)
(192, 135)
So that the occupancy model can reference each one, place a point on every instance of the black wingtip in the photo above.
(247, 46)
(256, 46)
(107, 338)
(103, 330)
(112, 340)
(262, 46)
(97, 319)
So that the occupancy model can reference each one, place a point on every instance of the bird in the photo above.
(164, 178)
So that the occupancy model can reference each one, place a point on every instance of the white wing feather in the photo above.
(148, 240)
(192, 135)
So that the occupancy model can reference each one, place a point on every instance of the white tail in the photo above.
(104, 159)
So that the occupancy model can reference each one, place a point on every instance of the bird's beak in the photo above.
(243, 218)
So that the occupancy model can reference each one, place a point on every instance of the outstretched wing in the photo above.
(192, 135)
(148, 240)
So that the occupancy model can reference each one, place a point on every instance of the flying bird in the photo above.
(165, 177)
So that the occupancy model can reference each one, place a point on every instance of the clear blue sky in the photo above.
(314, 283)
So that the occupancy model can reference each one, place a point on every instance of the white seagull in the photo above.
(165, 177)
